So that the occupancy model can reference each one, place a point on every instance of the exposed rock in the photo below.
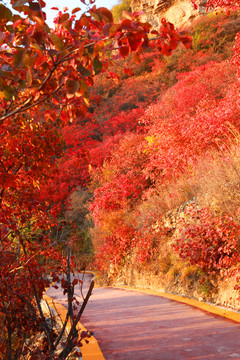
(221, 293)
(180, 13)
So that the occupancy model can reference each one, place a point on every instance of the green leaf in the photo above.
(113, 30)
(5, 13)
(72, 86)
(37, 47)
(83, 87)
(67, 24)
(28, 60)
(58, 42)
(97, 65)
(18, 57)
(63, 18)
(86, 99)
(95, 16)
(29, 77)
(34, 6)
(7, 92)
(98, 47)
(83, 71)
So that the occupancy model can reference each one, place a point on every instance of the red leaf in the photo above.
(124, 51)
(106, 14)
(194, 5)
(173, 44)
(166, 50)
(127, 24)
(128, 72)
(187, 41)
(75, 281)
(135, 40)
(75, 10)
(164, 21)
(16, 23)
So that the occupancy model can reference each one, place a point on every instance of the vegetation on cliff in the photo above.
(164, 170)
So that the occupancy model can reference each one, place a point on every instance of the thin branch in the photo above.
(24, 107)
(20, 109)
(73, 330)
(45, 325)
(9, 330)
(62, 330)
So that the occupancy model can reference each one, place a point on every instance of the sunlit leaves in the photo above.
(28, 60)
(57, 41)
(102, 14)
(75, 10)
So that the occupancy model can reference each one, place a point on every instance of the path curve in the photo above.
(131, 325)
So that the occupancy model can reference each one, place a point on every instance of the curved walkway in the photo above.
(133, 325)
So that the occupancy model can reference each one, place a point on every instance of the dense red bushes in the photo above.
(145, 135)
(210, 242)
(189, 122)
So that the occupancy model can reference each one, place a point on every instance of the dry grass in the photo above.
(218, 178)
(214, 182)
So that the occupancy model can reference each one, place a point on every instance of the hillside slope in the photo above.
(157, 156)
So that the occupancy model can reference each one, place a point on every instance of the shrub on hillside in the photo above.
(210, 242)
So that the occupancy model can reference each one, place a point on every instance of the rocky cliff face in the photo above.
(180, 13)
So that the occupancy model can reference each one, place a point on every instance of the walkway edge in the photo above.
(228, 314)
(90, 351)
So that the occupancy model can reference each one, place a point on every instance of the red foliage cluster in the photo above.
(212, 244)
(121, 181)
(168, 32)
(190, 120)
(236, 57)
(115, 248)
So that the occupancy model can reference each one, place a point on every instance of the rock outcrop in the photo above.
(180, 13)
